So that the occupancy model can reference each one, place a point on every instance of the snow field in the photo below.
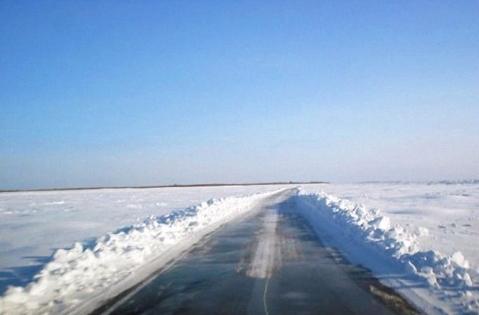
(82, 274)
(423, 242)
(365, 236)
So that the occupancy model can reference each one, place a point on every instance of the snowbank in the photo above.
(369, 238)
(445, 217)
(34, 224)
(119, 260)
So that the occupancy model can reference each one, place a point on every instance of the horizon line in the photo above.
(166, 186)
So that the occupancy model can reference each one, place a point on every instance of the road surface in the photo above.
(269, 262)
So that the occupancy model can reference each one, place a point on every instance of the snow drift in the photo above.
(368, 238)
(82, 277)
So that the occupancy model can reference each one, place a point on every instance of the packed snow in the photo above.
(421, 239)
(263, 261)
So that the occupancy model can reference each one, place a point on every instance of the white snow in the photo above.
(35, 224)
(444, 216)
(81, 278)
(263, 262)
(424, 240)
(421, 239)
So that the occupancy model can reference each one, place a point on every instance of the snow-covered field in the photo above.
(35, 224)
(423, 239)
(444, 217)
(78, 279)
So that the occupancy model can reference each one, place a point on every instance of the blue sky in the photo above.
(99, 93)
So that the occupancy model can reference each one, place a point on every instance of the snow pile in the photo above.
(445, 217)
(85, 273)
(353, 227)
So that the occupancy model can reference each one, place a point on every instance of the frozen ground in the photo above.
(422, 239)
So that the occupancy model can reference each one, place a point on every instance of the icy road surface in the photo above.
(270, 262)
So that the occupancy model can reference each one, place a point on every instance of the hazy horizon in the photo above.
(157, 93)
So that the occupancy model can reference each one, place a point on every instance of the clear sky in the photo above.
(158, 92)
